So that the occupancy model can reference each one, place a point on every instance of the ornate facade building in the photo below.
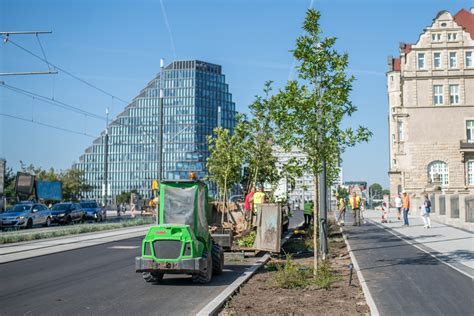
(431, 118)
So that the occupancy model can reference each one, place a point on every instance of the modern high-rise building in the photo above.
(196, 99)
(431, 118)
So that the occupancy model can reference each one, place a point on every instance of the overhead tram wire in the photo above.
(65, 71)
(53, 102)
(47, 125)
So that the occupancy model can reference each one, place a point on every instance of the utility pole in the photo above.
(160, 147)
(106, 159)
(6, 38)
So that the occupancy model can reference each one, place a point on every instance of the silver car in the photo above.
(25, 215)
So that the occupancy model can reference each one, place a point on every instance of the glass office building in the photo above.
(196, 99)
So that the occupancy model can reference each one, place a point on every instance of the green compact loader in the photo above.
(181, 243)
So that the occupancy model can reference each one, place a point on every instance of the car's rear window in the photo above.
(60, 207)
(89, 204)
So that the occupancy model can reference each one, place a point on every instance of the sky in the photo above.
(116, 46)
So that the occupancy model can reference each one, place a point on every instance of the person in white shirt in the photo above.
(398, 205)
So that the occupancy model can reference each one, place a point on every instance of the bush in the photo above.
(290, 275)
(324, 277)
(248, 240)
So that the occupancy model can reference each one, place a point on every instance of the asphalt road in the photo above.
(404, 280)
(102, 280)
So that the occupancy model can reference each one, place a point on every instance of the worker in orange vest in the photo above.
(405, 207)
(355, 202)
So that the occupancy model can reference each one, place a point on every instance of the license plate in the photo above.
(6, 222)
(167, 265)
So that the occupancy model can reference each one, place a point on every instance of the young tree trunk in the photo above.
(224, 209)
(315, 225)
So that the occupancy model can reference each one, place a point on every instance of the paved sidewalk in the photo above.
(405, 280)
(449, 244)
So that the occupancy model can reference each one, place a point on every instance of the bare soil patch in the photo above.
(259, 296)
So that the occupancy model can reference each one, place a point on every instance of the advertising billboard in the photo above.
(24, 183)
(49, 190)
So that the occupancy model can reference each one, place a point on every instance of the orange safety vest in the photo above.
(406, 201)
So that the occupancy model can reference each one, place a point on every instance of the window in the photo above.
(393, 139)
(470, 131)
(438, 170)
(421, 61)
(470, 172)
(444, 24)
(468, 61)
(454, 94)
(438, 94)
(437, 60)
(400, 131)
(453, 61)
(436, 37)
(452, 37)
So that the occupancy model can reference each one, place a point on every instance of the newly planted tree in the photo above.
(227, 155)
(308, 112)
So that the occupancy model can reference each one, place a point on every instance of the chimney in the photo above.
(390, 63)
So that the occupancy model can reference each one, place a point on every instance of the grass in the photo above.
(79, 229)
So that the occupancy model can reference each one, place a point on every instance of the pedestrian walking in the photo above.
(406, 208)
(426, 212)
(308, 213)
(355, 203)
(342, 211)
(398, 205)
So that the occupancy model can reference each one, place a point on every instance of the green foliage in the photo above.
(308, 112)
(227, 155)
(342, 192)
(124, 197)
(290, 275)
(376, 191)
(385, 192)
(324, 277)
(72, 180)
(261, 161)
(247, 240)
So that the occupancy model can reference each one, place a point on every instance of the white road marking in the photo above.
(124, 247)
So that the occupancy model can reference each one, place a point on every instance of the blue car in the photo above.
(92, 211)
(25, 215)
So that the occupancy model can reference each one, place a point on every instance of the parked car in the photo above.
(237, 199)
(92, 211)
(26, 215)
(67, 213)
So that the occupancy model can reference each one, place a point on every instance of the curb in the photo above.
(429, 251)
(213, 306)
(218, 302)
(370, 300)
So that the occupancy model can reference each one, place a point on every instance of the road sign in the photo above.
(154, 185)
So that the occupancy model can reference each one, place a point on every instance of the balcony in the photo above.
(466, 146)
